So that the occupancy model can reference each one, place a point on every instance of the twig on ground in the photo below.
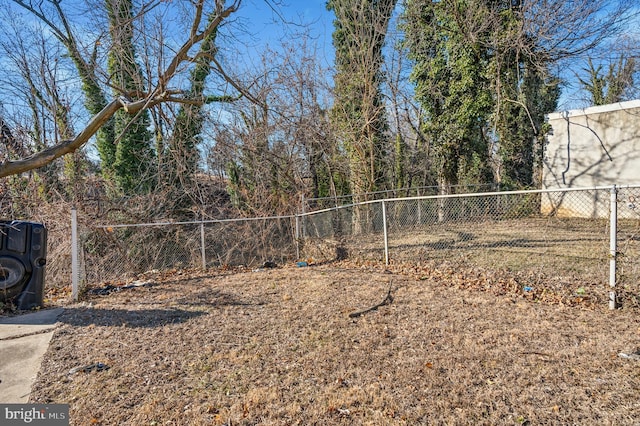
(388, 299)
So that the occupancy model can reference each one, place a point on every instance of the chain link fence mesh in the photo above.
(553, 239)
(310, 204)
(122, 252)
(628, 246)
(549, 238)
(506, 232)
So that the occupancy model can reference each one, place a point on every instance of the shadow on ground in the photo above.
(84, 316)
(216, 298)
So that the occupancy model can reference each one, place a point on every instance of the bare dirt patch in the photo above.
(277, 346)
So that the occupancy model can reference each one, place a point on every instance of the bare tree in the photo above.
(555, 30)
(358, 113)
(205, 19)
(38, 85)
(276, 150)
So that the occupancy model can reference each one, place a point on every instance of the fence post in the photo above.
(384, 230)
(613, 248)
(419, 222)
(75, 267)
(303, 205)
(203, 251)
(297, 237)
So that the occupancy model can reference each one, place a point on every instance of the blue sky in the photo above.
(270, 21)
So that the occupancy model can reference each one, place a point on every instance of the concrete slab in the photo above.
(24, 339)
(20, 362)
(31, 323)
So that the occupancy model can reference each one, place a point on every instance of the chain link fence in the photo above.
(121, 252)
(310, 204)
(549, 239)
(559, 239)
(628, 245)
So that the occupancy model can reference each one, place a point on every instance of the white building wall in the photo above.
(597, 146)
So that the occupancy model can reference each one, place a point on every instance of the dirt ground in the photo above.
(278, 347)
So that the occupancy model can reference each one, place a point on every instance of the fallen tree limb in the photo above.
(388, 299)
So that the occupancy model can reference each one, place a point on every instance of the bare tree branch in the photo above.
(182, 54)
(388, 299)
(159, 94)
(46, 156)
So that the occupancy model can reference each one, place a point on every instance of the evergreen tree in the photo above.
(452, 87)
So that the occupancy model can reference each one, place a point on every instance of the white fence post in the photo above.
(75, 267)
(297, 237)
(613, 246)
(203, 251)
(419, 221)
(384, 230)
(303, 205)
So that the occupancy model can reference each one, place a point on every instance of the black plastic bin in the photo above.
(23, 257)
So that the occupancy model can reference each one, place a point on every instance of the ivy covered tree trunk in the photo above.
(452, 87)
(519, 123)
(484, 86)
(134, 158)
(95, 101)
(182, 155)
(358, 114)
(524, 93)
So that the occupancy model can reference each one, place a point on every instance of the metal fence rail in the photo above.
(311, 204)
(563, 238)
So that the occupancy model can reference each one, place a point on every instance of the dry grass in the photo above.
(549, 251)
(277, 347)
